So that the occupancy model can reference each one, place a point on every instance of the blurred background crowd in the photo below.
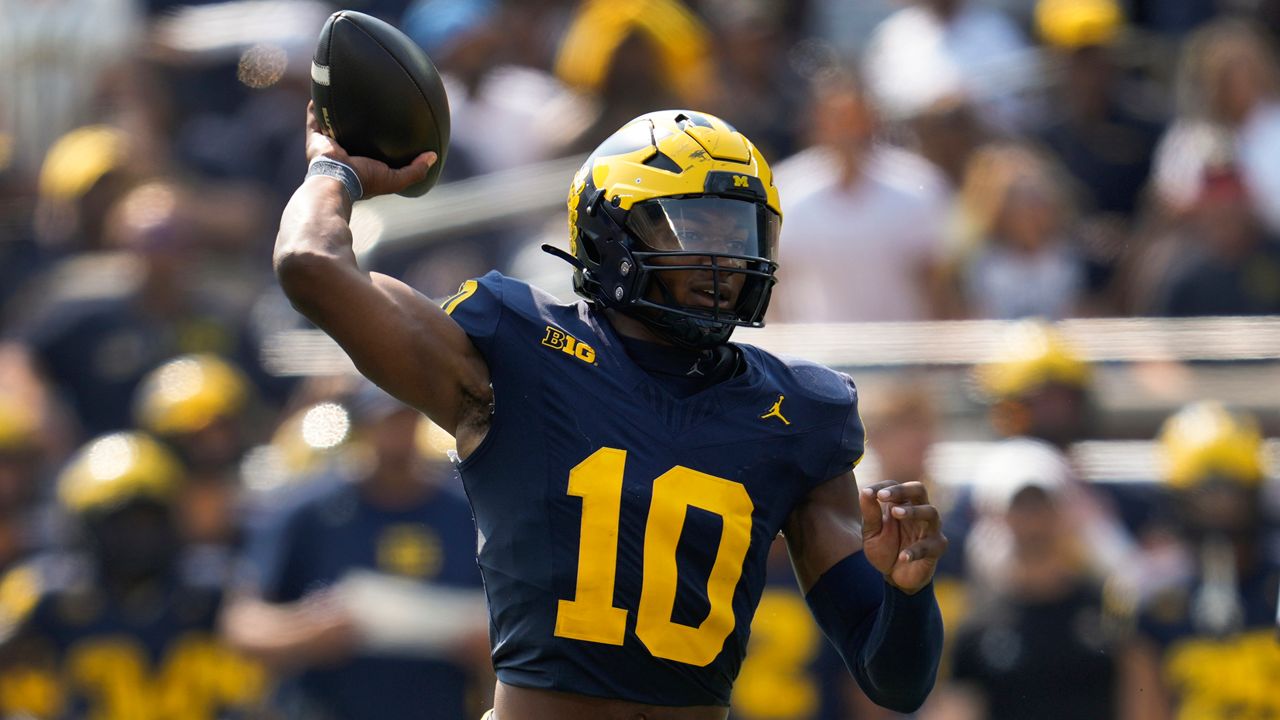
(1043, 235)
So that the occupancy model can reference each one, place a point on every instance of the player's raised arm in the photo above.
(396, 337)
(865, 561)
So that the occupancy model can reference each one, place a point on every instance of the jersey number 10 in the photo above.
(591, 615)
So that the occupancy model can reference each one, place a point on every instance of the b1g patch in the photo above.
(568, 344)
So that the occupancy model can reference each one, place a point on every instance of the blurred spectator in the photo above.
(864, 221)
(1226, 264)
(1206, 647)
(67, 66)
(1038, 389)
(634, 56)
(83, 175)
(1041, 629)
(504, 114)
(367, 587)
(946, 134)
(1015, 258)
(1229, 113)
(198, 405)
(939, 49)
(104, 320)
(124, 627)
(760, 94)
(844, 26)
(1097, 134)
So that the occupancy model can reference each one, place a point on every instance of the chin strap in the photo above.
(557, 252)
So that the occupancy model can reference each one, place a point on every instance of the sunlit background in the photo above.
(1031, 230)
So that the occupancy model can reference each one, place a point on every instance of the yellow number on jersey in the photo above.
(591, 615)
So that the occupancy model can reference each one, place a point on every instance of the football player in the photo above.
(124, 629)
(1205, 646)
(197, 404)
(628, 466)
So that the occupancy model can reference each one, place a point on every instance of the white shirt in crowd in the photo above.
(914, 60)
(859, 253)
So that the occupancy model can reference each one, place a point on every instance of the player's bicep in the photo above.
(402, 341)
(823, 528)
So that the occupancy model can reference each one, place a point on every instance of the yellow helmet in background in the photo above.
(19, 425)
(188, 393)
(114, 469)
(599, 28)
(1204, 440)
(1075, 24)
(1032, 354)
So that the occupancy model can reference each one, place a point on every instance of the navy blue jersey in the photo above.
(623, 531)
(75, 651)
(329, 531)
(1219, 676)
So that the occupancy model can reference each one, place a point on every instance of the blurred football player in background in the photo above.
(125, 627)
(197, 404)
(1038, 387)
(1205, 646)
(366, 588)
(623, 443)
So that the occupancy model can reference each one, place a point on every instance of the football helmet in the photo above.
(116, 469)
(1204, 440)
(188, 393)
(1032, 354)
(676, 191)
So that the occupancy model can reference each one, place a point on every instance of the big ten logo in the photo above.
(740, 181)
(114, 678)
(411, 550)
(1232, 677)
(568, 344)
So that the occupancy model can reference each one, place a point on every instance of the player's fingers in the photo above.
(927, 514)
(871, 519)
(931, 547)
(913, 492)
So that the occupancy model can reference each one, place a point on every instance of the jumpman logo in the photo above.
(776, 411)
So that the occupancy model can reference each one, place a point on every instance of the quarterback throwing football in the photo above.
(627, 465)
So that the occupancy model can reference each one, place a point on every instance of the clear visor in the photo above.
(705, 225)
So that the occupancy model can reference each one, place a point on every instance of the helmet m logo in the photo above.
(568, 344)
(776, 411)
(740, 181)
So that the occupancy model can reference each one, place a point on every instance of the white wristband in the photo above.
(339, 171)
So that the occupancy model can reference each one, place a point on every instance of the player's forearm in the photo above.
(890, 641)
(314, 244)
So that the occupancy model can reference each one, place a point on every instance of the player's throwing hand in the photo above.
(901, 533)
(376, 177)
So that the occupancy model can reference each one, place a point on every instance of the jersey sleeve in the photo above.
(477, 307)
(852, 441)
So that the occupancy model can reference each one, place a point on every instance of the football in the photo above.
(377, 93)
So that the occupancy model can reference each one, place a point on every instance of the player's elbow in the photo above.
(304, 273)
(906, 698)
